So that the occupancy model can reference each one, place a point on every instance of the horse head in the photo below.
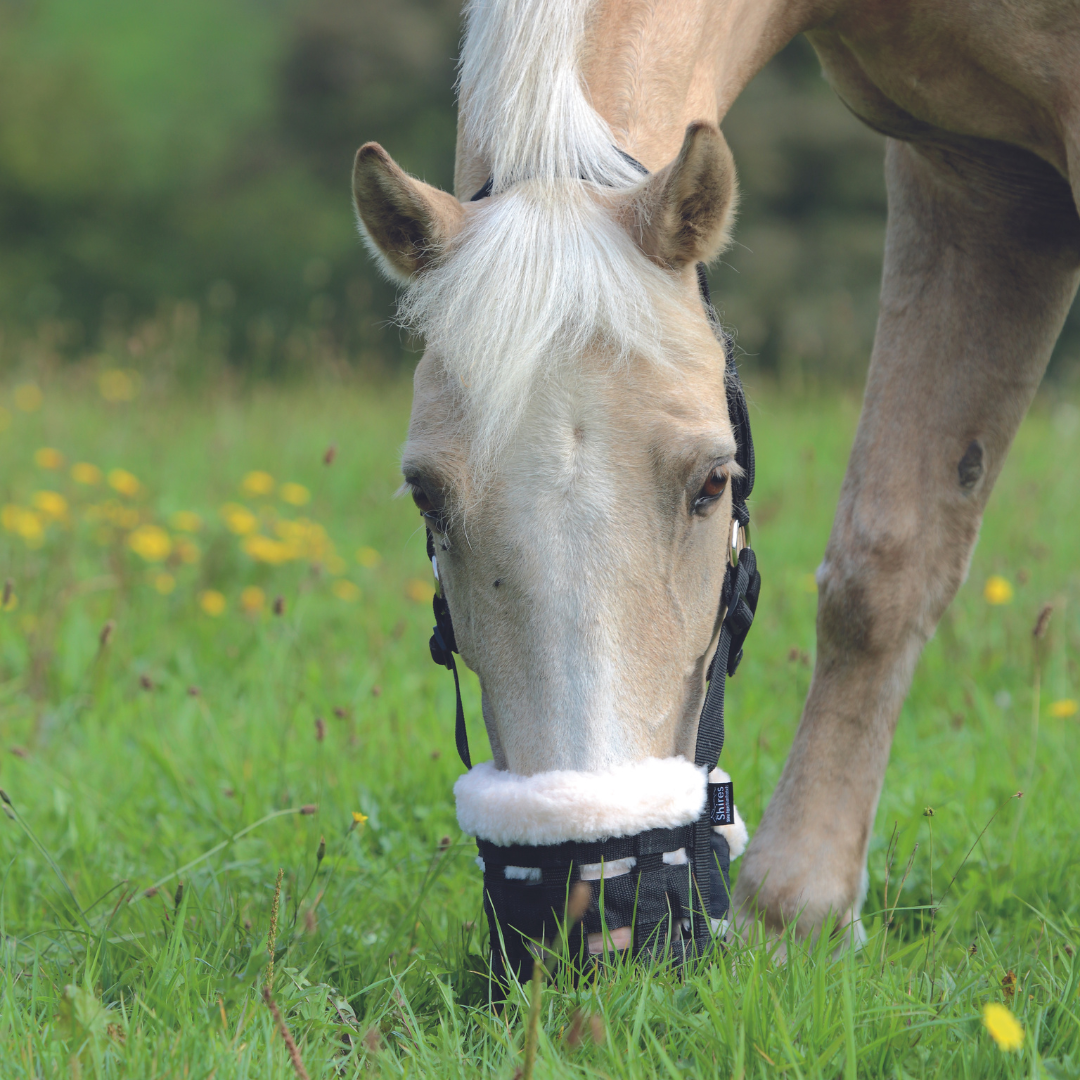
(569, 446)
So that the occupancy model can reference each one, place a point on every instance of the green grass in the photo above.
(140, 760)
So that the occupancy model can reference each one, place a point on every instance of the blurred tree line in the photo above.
(176, 173)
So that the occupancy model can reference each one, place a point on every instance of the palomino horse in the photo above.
(569, 443)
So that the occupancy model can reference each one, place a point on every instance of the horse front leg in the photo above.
(981, 258)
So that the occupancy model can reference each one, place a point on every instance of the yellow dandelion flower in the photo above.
(186, 521)
(306, 538)
(266, 550)
(23, 523)
(187, 550)
(257, 482)
(997, 590)
(239, 519)
(150, 542)
(1004, 1028)
(116, 384)
(48, 458)
(1063, 709)
(358, 818)
(51, 505)
(252, 599)
(122, 481)
(28, 397)
(9, 517)
(212, 602)
(345, 590)
(295, 494)
(164, 583)
(5, 419)
(82, 472)
(368, 557)
(419, 591)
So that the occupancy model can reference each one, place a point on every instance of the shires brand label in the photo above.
(722, 803)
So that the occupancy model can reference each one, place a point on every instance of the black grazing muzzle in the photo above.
(668, 907)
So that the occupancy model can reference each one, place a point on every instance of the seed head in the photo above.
(179, 894)
(106, 633)
(577, 1022)
(146, 682)
(308, 809)
(1042, 623)
(279, 605)
(5, 797)
(271, 937)
(928, 812)
(9, 588)
(376, 690)
(596, 1028)
(341, 712)
(331, 453)
(193, 691)
(320, 729)
(444, 842)
(580, 899)
(320, 851)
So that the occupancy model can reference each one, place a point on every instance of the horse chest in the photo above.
(940, 80)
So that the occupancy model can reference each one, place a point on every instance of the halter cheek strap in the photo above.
(654, 896)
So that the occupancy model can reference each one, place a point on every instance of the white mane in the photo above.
(522, 102)
(541, 273)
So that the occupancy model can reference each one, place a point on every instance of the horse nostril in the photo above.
(970, 469)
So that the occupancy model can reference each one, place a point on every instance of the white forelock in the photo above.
(540, 277)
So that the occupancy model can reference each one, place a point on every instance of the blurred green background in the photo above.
(174, 185)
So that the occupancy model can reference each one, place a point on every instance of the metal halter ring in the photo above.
(740, 538)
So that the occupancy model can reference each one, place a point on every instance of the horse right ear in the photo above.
(405, 222)
(682, 214)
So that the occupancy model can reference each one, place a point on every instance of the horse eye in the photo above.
(423, 503)
(714, 485)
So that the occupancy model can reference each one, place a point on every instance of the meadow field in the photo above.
(214, 668)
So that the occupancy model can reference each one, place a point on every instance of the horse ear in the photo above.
(684, 212)
(405, 222)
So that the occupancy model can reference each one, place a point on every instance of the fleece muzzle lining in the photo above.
(568, 805)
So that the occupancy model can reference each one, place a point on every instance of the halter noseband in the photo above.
(672, 908)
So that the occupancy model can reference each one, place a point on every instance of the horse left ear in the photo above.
(683, 213)
(406, 222)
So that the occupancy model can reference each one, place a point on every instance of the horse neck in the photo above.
(651, 68)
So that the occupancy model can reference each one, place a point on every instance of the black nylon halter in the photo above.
(654, 898)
